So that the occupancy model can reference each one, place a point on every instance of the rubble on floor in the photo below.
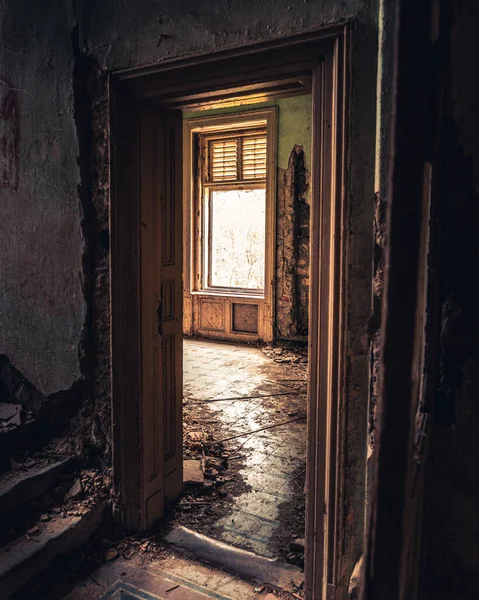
(247, 407)
(16, 430)
(114, 557)
(48, 507)
(74, 494)
(10, 415)
(248, 466)
(286, 353)
(13, 416)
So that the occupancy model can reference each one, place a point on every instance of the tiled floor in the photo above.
(221, 371)
(172, 577)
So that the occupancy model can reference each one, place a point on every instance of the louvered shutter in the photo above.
(224, 160)
(254, 157)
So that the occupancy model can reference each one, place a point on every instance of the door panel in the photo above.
(161, 210)
(152, 416)
(171, 299)
(147, 308)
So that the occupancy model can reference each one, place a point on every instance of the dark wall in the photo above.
(42, 305)
(452, 491)
(54, 272)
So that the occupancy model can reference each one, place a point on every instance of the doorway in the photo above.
(246, 253)
(147, 221)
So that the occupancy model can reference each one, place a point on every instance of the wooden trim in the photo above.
(125, 304)
(284, 65)
(326, 341)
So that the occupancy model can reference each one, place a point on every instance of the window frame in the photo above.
(202, 129)
(206, 185)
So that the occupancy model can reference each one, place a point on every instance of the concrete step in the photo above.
(31, 553)
(236, 561)
(17, 487)
(18, 430)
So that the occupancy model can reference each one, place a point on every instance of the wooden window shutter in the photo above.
(254, 157)
(224, 160)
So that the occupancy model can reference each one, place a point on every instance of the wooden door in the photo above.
(147, 308)
(161, 307)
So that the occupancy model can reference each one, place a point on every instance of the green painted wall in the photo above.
(294, 123)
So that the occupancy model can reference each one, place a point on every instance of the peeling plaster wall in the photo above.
(293, 217)
(54, 281)
(42, 305)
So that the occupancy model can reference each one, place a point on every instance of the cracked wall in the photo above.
(293, 218)
(42, 303)
(54, 277)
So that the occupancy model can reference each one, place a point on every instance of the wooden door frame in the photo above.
(321, 60)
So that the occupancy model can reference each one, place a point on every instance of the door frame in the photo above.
(322, 61)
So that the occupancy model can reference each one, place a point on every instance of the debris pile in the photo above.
(296, 556)
(12, 416)
(286, 353)
(223, 428)
(210, 483)
(73, 495)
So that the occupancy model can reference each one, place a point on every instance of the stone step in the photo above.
(18, 430)
(18, 487)
(236, 561)
(28, 555)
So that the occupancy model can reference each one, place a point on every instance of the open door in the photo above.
(147, 308)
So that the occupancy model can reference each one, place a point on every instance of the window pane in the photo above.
(238, 238)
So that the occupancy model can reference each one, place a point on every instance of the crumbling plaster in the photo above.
(42, 307)
(46, 314)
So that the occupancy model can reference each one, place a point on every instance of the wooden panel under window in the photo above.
(245, 318)
(212, 315)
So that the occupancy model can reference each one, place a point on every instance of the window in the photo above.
(233, 210)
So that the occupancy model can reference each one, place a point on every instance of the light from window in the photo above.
(237, 234)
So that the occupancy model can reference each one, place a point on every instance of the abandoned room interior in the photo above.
(233, 217)
(239, 332)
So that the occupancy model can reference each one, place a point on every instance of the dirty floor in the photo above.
(247, 407)
(264, 510)
(170, 576)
